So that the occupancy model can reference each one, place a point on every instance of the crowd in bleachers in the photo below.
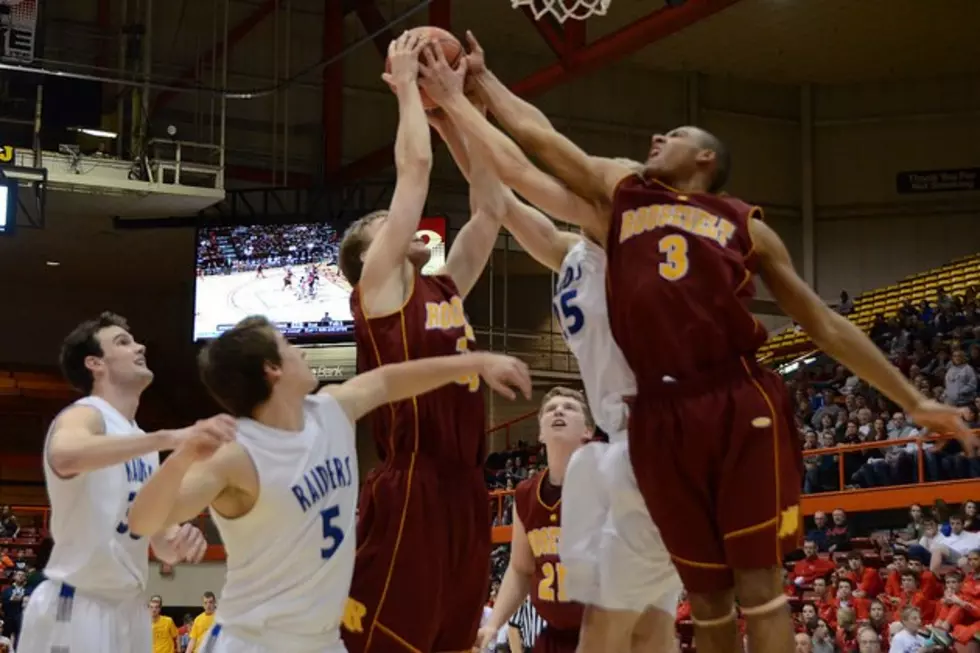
(937, 346)
(223, 250)
(22, 552)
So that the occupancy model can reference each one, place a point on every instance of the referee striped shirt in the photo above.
(529, 623)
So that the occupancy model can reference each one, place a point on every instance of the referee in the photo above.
(525, 626)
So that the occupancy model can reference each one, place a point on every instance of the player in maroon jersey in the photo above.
(565, 424)
(711, 438)
(423, 558)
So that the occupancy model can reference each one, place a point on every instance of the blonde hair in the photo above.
(354, 244)
(562, 391)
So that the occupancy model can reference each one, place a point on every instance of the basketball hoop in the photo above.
(562, 10)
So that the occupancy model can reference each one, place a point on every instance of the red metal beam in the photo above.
(603, 52)
(548, 31)
(235, 35)
(575, 35)
(373, 21)
(333, 89)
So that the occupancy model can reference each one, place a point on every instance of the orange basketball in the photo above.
(451, 47)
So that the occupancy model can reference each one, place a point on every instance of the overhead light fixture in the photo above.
(98, 133)
(52, 264)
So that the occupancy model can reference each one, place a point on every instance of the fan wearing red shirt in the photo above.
(880, 621)
(893, 584)
(930, 586)
(845, 599)
(821, 595)
(867, 581)
(971, 584)
(846, 631)
(806, 621)
(912, 596)
(812, 566)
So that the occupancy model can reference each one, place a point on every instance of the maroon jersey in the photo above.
(679, 279)
(539, 509)
(447, 423)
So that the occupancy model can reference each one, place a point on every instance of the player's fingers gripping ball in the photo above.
(435, 37)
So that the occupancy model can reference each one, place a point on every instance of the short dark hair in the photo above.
(723, 160)
(353, 245)
(82, 343)
(209, 595)
(232, 366)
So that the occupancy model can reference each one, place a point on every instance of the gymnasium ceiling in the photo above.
(792, 41)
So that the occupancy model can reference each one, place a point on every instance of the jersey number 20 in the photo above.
(332, 534)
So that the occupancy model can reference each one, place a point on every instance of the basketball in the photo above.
(451, 47)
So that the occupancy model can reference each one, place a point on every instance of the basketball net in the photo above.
(562, 10)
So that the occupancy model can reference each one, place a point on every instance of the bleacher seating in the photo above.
(953, 278)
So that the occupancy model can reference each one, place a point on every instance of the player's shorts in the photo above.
(611, 550)
(553, 640)
(58, 618)
(719, 464)
(422, 572)
(220, 640)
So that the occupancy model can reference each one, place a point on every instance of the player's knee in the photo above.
(757, 587)
(655, 631)
(712, 606)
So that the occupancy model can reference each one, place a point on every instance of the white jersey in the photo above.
(93, 548)
(291, 557)
(580, 304)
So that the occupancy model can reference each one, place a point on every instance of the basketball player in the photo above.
(423, 559)
(710, 436)
(535, 566)
(283, 495)
(632, 603)
(95, 460)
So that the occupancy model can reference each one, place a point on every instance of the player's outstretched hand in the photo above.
(438, 79)
(403, 53)
(484, 637)
(476, 59)
(206, 436)
(188, 543)
(505, 373)
(942, 419)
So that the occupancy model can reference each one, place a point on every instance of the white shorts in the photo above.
(58, 619)
(611, 550)
(220, 640)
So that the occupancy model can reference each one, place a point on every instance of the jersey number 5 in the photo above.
(552, 586)
(674, 248)
(571, 315)
(332, 533)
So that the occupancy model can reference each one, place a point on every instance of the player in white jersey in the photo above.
(283, 495)
(95, 460)
(614, 558)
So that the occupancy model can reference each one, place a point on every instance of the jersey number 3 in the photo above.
(674, 248)
(332, 534)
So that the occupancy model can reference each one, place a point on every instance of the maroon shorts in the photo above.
(422, 571)
(719, 464)
(553, 640)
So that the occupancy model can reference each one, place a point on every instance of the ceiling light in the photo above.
(98, 133)
(52, 264)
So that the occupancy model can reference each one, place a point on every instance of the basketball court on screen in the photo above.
(226, 299)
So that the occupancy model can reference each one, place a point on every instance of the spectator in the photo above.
(879, 622)
(868, 640)
(818, 534)
(9, 528)
(908, 639)
(970, 520)
(912, 596)
(821, 639)
(961, 381)
(846, 631)
(202, 623)
(184, 634)
(803, 643)
(916, 525)
(953, 548)
(845, 306)
(812, 566)
(845, 599)
(164, 629)
(839, 535)
(867, 582)
(12, 600)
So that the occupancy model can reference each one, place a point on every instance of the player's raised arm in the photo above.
(594, 178)
(844, 341)
(79, 443)
(444, 86)
(188, 481)
(381, 281)
(398, 381)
